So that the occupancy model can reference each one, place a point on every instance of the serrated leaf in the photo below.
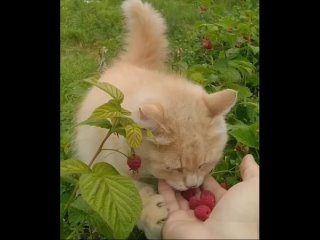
(113, 91)
(243, 66)
(126, 121)
(111, 109)
(134, 135)
(97, 122)
(115, 199)
(243, 91)
(125, 112)
(73, 166)
(92, 217)
(104, 169)
(232, 52)
(230, 75)
(244, 134)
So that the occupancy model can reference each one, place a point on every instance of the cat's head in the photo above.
(189, 137)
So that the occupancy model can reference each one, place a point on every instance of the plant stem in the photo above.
(115, 124)
(115, 151)
(100, 148)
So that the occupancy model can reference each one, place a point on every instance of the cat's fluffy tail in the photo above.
(146, 40)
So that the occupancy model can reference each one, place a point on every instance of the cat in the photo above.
(188, 124)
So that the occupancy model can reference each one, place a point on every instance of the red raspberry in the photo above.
(207, 198)
(202, 212)
(206, 43)
(134, 162)
(194, 202)
(188, 193)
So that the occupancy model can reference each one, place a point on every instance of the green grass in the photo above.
(86, 27)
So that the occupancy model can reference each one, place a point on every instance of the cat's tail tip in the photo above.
(146, 41)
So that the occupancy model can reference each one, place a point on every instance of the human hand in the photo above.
(236, 214)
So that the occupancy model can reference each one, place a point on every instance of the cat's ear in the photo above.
(220, 102)
(152, 113)
(153, 117)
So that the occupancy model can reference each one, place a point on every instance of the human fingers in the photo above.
(249, 168)
(183, 203)
(169, 196)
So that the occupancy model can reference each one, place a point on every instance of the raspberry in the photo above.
(134, 162)
(206, 43)
(202, 212)
(207, 198)
(188, 193)
(194, 202)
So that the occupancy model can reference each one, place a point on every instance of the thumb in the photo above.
(249, 168)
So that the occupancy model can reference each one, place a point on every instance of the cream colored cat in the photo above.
(188, 124)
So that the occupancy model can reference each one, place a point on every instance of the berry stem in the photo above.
(132, 151)
(100, 148)
(103, 141)
(115, 151)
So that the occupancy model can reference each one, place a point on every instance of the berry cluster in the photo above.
(202, 207)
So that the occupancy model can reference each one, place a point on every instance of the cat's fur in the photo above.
(188, 124)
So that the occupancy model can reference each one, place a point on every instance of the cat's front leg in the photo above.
(154, 213)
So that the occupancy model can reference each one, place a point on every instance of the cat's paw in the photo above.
(153, 217)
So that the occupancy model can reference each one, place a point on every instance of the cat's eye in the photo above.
(201, 166)
(174, 169)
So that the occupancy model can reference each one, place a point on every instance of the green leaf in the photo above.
(72, 166)
(243, 66)
(111, 109)
(134, 135)
(76, 216)
(97, 122)
(254, 49)
(243, 91)
(115, 199)
(114, 92)
(244, 134)
(92, 217)
(230, 75)
(232, 180)
(243, 28)
(232, 52)
(104, 169)
(125, 112)
(102, 227)
(126, 121)
(197, 77)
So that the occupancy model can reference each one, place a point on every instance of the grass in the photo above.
(88, 25)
